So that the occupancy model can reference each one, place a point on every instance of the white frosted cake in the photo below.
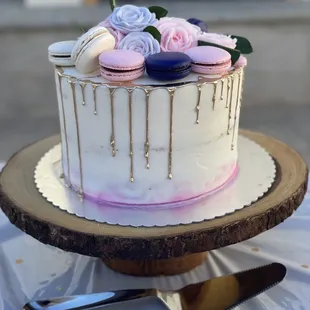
(149, 141)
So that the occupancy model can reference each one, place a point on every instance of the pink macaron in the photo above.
(121, 65)
(209, 60)
(241, 62)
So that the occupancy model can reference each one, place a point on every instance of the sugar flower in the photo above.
(140, 42)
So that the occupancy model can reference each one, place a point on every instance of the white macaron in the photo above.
(89, 46)
(59, 53)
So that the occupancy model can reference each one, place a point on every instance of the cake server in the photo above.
(226, 292)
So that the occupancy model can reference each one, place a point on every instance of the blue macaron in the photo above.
(168, 66)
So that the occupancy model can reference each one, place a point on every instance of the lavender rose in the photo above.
(140, 42)
(131, 18)
(118, 36)
(177, 35)
(220, 39)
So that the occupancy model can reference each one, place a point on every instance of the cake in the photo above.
(149, 142)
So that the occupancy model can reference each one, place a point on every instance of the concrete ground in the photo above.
(277, 85)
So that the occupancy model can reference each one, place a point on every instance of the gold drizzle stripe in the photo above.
(65, 130)
(171, 94)
(95, 97)
(147, 141)
(228, 89)
(132, 179)
(214, 95)
(230, 104)
(199, 87)
(71, 82)
(112, 138)
(236, 111)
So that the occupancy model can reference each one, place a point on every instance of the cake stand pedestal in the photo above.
(148, 251)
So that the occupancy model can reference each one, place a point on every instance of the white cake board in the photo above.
(256, 174)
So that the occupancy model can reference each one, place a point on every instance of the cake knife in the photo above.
(226, 292)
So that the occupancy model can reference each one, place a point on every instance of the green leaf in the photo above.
(82, 29)
(243, 45)
(112, 4)
(159, 11)
(235, 54)
(154, 32)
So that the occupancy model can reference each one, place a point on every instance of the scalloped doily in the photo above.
(256, 174)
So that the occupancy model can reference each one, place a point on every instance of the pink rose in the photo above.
(177, 35)
(220, 39)
(115, 33)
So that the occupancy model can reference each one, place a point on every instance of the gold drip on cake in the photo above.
(112, 138)
(147, 142)
(214, 95)
(132, 179)
(236, 111)
(199, 87)
(241, 96)
(230, 104)
(228, 89)
(222, 89)
(72, 84)
(65, 129)
(171, 94)
(140, 86)
(94, 86)
(83, 84)
(59, 70)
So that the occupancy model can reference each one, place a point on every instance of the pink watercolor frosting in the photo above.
(177, 34)
(137, 192)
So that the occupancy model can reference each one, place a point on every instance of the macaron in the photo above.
(209, 60)
(121, 65)
(89, 46)
(59, 53)
(197, 22)
(168, 66)
(241, 62)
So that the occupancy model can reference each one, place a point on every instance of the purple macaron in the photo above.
(209, 60)
(121, 65)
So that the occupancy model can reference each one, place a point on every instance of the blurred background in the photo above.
(277, 84)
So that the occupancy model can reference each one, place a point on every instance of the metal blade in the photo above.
(226, 292)
(257, 281)
(87, 301)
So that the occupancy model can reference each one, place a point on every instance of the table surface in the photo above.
(33, 271)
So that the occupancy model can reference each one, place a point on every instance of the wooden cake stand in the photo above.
(148, 251)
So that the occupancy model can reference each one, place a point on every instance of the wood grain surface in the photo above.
(28, 210)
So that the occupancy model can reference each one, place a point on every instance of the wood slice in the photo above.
(28, 210)
(160, 267)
